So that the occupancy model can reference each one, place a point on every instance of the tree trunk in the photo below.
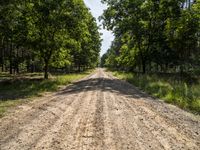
(143, 65)
(2, 54)
(11, 67)
(17, 63)
(143, 68)
(2, 68)
(32, 68)
(149, 67)
(32, 64)
(11, 56)
(17, 68)
(79, 68)
(46, 68)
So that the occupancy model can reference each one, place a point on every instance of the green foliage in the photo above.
(151, 35)
(167, 88)
(47, 34)
(154, 36)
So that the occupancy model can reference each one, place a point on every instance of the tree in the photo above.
(152, 33)
(52, 34)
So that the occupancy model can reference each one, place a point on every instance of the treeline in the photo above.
(38, 35)
(153, 35)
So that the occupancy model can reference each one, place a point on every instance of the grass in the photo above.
(15, 90)
(171, 90)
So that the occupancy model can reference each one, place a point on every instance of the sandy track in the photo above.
(99, 112)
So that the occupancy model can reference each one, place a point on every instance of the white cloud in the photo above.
(96, 8)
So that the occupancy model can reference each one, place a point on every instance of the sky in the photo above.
(96, 8)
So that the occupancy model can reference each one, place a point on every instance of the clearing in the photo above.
(99, 112)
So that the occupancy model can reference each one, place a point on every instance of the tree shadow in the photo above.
(23, 88)
(105, 84)
(20, 89)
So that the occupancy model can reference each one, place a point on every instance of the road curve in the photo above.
(99, 112)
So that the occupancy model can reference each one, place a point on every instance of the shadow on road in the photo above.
(105, 84)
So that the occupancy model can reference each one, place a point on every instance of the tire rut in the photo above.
(34, 126)
(50, 140)
(99, 112)
(99, 119)
(155, 126)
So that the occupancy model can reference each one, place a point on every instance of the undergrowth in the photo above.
(17, 90)
(180, 93)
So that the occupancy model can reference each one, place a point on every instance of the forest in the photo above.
(156, 47)
(53, 35)
(58, 93)
(153, 35)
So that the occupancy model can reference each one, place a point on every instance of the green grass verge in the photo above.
(18, 90)
(170, 90)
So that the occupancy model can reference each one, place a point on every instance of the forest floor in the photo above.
(99, 112)
(22, 88)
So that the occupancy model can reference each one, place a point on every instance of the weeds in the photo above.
(17, 90)
(182, 94)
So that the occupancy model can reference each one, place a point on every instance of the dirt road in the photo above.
(99, 113)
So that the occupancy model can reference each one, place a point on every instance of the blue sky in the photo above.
(96, 7)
